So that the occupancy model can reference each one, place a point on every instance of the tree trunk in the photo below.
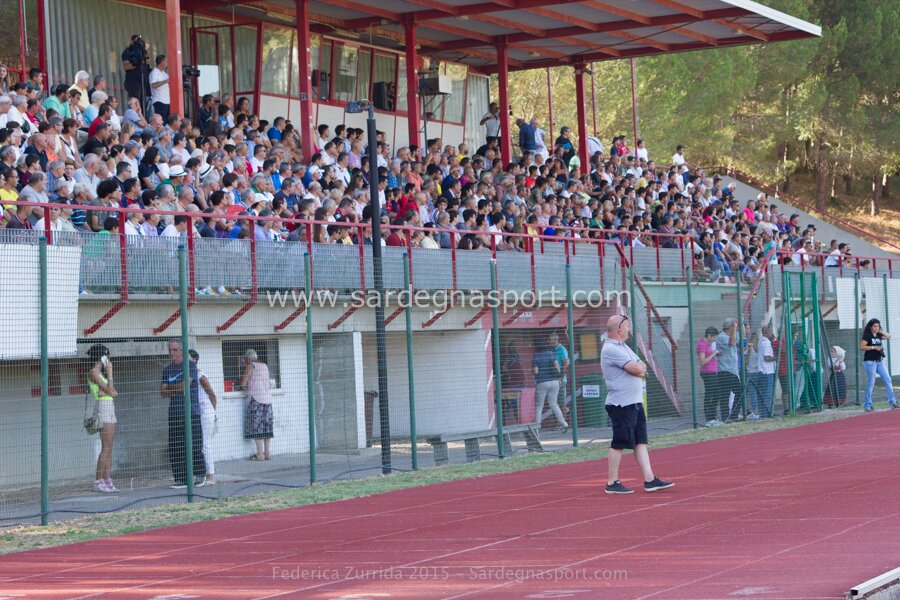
(822, 179)
(848, 184)
(876, 194)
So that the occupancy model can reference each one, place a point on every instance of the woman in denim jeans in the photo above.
(873, 345)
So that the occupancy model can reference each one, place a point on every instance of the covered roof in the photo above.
(538, 33)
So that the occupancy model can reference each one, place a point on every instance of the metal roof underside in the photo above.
(538, 33)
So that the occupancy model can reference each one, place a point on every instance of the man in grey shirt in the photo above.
(624, 372)
(729, 378)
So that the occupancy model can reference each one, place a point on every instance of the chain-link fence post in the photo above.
(887, 325)
(45, 390)
(692, 352)
(817, 332)
(742, 352)
(633, 302)
(495, 344)
(573, 413)
(310, 368)
(186, 378)
(788, 345)
(856, 329)
(409, 364)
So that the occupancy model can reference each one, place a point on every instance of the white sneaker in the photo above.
(99, 486)
(110, 487)
(753, 417)
(713, 423)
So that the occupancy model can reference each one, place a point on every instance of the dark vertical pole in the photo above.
(378, 275)
(186, 378)
(45, 384)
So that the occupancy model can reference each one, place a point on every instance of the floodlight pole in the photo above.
(378, 276)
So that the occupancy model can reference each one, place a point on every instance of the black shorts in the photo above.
(629, 425)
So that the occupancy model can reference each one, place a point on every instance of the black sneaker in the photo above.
(656, 485)
(617, 488)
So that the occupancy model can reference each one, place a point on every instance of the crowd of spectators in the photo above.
(74, 144)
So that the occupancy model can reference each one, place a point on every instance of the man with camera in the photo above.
(134, 61)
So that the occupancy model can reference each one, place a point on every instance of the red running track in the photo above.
(798, 513)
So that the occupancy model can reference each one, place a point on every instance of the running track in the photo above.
(799, 513)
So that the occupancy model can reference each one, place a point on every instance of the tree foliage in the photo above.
(830, 105)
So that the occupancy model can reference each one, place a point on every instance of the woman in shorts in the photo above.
(103, 390)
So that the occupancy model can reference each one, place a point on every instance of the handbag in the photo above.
(92, 423)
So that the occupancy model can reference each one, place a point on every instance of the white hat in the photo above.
(177, 171)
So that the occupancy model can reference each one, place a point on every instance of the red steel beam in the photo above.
(393, 315)
(457, 11)
(435, 317)
(254, 290)
(477, 316)
(290, 319)
(344, 317)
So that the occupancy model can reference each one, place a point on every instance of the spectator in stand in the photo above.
(159, 87)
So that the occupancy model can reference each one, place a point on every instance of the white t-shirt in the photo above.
(205, 405)
(161, 93)
(492, 124)
(678, 159)
(642, 153)
(765, 349)
(624, 389)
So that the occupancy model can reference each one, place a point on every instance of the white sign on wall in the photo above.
(20, 295)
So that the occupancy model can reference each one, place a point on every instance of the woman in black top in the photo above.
(873, 345)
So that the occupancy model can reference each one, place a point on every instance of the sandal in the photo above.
(254, 458)
(268, 457)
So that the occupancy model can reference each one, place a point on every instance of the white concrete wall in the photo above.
(452, 394)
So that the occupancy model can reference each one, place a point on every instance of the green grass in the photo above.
(131, 521)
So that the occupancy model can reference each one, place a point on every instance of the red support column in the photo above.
(412, 80)
(503, 84)
(305, 79)
(173, 49)
(582, 117)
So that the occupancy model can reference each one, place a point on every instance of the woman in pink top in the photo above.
(260, 419)
(709, 367)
